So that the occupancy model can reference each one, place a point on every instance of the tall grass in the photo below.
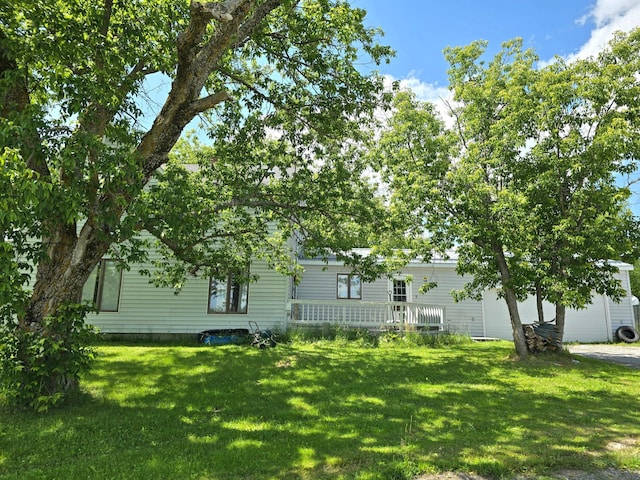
(329, 410)
(365, 337)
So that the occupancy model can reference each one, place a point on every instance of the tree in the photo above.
(524, 183)
(274, 78)
(635, 279)
(585, 140)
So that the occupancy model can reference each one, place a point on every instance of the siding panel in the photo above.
(319, 283)
(621, 313)
(147, 309)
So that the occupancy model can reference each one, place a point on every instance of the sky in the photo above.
(419, 31)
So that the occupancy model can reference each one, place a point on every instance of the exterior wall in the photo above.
(461, 317)
(488, 318)
(146, 309)
(588, 325)
(319, 283)
(596, 323)
(622, 313)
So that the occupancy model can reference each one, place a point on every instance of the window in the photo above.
(349, 286)
(400, 290)
(102, 288)
(228, 295)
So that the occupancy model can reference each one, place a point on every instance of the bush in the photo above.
(41, 368)
(417, 339)
(367, 338)
(336, 333)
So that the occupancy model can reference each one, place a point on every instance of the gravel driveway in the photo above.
(627, 354)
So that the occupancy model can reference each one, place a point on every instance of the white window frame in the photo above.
(349, 294)
(94, 287)
(243, 301)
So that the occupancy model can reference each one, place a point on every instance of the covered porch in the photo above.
(370, 315)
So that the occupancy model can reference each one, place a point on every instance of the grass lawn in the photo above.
(329, 410)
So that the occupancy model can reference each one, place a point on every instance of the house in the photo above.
(129, 304)
(330, 293)
(486, 318)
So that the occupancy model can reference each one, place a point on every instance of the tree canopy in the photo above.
(81, 142)
(525, 183)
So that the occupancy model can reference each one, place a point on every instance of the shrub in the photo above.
(418, 339)
(337, 333)
(367, 338)
(40, 368)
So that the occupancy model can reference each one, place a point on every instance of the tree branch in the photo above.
(251, 23)
(206, 103)
(15, 99)
(221, 11)
(195, 64)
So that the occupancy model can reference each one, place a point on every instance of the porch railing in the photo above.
(356, 313)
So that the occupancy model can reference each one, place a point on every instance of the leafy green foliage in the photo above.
(281, 67)
(634, 277)
(525, 182)
(42, 371)
(214, 207)
(84, 134)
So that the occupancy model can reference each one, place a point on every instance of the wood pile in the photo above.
(542, 337)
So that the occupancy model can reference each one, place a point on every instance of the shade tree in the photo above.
(81, 145)
(524, 184)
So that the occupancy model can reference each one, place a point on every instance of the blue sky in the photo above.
(419, 30)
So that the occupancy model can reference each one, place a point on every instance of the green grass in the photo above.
(329, 410)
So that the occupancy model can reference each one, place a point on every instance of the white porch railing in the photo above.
(356, 313)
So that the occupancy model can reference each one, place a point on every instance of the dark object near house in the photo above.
(233, 336)
(627, 334)
(542, 337)
(262, 338)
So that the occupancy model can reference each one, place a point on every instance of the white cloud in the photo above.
(609, 16)
(426, 92)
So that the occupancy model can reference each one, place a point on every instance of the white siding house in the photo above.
(319, 283)
(329, 293)
(143, 308)
(596, 323)
(486, 318)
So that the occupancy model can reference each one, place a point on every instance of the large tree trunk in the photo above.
(519, 340)
(61, 276)
(59, 280)
(561, 311)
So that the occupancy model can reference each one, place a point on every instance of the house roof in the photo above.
(450, 258)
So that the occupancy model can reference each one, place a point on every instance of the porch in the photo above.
(371, 315)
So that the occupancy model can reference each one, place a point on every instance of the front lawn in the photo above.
(329, 410)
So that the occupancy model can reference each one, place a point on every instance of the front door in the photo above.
(399, 292)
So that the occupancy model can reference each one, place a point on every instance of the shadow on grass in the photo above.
(324, 411)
